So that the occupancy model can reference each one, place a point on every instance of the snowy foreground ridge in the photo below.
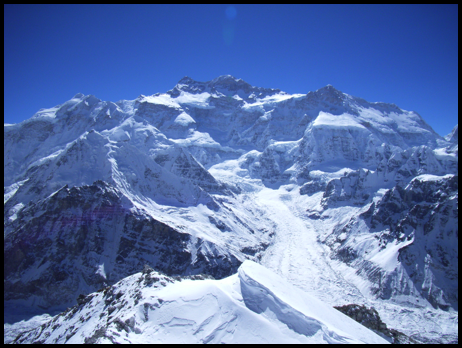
(259, 212)
(253, 306)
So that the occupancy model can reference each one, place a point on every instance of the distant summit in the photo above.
(78, 96)
(453, 136)
(226, 85)
(223, 78)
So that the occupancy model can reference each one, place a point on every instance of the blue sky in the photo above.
(402, 54)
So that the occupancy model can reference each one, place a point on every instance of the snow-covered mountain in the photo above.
(453, 136)
(350, 201)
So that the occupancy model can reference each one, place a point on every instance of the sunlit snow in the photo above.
(232, 181)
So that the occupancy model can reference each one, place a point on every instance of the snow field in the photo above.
(253, 306)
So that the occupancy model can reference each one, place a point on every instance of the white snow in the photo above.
(101, 271)
(328, 120)
(276, 98)
(430, 177)
(388, 257)
(46, 158)
(409, 123)
(118, 134)
(47, 113)
(197, 138)
(441, 153)
(163, 99)
(269, 101)
(184, 119)
(14, 211)
(9, 191)
(253, 306)
(289, 301)
(328, 175)
(196, 100)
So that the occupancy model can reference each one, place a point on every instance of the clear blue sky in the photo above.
(402, 54)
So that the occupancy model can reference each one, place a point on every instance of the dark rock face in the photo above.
(348, 188)
(453, 137)
(423, 216)
(115, 302)
(226, 84)
(183, 164)
(81, 239)
(428, 212)
(371, 319)
(312, 187)
(356, 187)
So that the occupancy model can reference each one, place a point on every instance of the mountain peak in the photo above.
(225, 84)
(78, 96)
(225, 78)
(189, 85)
(186, 80)
(228, 83)
(330, 88)
(453, 137)
(330, 94)
(222, 79)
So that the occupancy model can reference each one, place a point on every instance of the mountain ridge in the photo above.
(214, 164)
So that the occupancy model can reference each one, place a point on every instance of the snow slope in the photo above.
(252, 306)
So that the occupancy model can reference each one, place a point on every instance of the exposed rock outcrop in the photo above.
(371, 319)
